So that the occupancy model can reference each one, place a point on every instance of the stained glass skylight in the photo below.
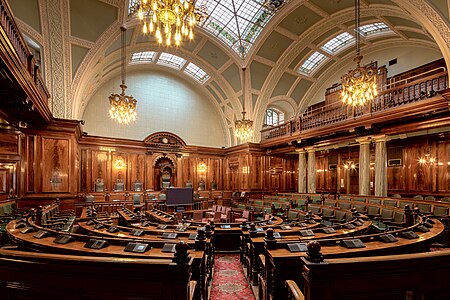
(339, 42)
(237, 23)
(196, 72)
(373, 28)
(146, 56)
(171, 60)
(312, 63)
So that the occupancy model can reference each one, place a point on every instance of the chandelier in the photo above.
(359, 86)
(243, 129)
(122, 107)
(170, 20)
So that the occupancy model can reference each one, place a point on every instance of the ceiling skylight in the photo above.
(196, 72)
(237, 23)
(171, 60)
(312, 63)
(339, 42)
(146, 56)
(373, 28)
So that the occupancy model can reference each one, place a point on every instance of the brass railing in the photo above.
(334, 113)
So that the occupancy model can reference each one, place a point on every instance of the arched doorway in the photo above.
(164, 173)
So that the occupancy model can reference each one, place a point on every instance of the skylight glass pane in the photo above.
(171, 60)
(312, 62)
(338, 42)
(238, 33)
(146, 56)
(196, 72)
(373, 28)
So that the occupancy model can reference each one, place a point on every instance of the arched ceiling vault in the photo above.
(79, 41)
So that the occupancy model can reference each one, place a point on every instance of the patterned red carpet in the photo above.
(229, 281)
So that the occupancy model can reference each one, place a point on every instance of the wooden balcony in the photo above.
(24, 94)
(401, 102)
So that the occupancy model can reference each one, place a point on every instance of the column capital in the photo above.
(381, 138)
(300, 151)
(364, 140)
(310, 149)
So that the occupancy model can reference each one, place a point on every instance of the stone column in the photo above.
(311, 170)
(301, 171)
(381, 166)
(364, 166)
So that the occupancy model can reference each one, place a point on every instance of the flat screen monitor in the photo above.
(179, 196)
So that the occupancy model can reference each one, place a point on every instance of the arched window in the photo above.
(273, 117)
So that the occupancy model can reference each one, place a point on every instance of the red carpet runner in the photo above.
(229, 281)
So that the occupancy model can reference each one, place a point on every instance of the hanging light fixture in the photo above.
(170, 21)
(359, 86)
(122, 107)
(349, 164)
(243, 129)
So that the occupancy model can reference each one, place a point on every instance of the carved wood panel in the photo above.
(55, 165)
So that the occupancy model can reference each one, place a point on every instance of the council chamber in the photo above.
(225, 149)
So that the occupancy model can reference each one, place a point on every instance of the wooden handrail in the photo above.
(294, 291)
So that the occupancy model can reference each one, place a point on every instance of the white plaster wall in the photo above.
(408, 58)
(165, 103)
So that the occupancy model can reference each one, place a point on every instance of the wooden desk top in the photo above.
(371, 246)
(77, 247)
(161, 217)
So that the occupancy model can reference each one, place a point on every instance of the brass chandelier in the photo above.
(122, 107)
(170, 21)
(359, 86)
(243, 128)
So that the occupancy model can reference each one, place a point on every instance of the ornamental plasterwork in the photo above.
(30, 31)
(55, 37)
(67, 58)
(46, 48)
(113, 2)
(427, 11)
(81, 42)
(305, 39)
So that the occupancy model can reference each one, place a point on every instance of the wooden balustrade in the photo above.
(396, 97)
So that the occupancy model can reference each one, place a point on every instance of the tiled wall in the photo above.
(166, 102)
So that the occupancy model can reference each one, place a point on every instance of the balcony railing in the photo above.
(335, 113)
(20, 59)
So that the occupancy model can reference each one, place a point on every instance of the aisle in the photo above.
(229, 282)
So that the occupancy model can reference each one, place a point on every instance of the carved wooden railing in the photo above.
(16, 52)
(409, 92)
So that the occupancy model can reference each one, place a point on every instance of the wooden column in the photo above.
(301, 171)
(364, 166)
(381, 166)
(311, 170)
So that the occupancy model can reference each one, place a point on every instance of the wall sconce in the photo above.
(119, 164)
(201, 167)
(246, 169)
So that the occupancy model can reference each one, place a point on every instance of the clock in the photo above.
(164, 140)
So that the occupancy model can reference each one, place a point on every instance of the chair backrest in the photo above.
(360, 207)
(246, 214)
(418, 197)
(137, 186)
(219, 208)
(217, 216)
(373, 210)
(179, 217)
(431, 198)
(424, 208)
(340, 215)
(198, 215)
(440, 211)
(328, 212)
(162, 196)
(213, 185)
(314, 209)
(396, 196)
(345, 205)
(359, 199)
(90, 198)
(403, 204)
(387, 213)
(119, 187)
(214, 207)
(266, 217)
(390, 202)
(375, 201)
(399, 217)
(292, 215)
(136, 199)
(330, 203)
(224, 209)
(99, 187)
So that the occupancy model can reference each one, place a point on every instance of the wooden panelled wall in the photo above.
(407, 176)
(55, 163)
